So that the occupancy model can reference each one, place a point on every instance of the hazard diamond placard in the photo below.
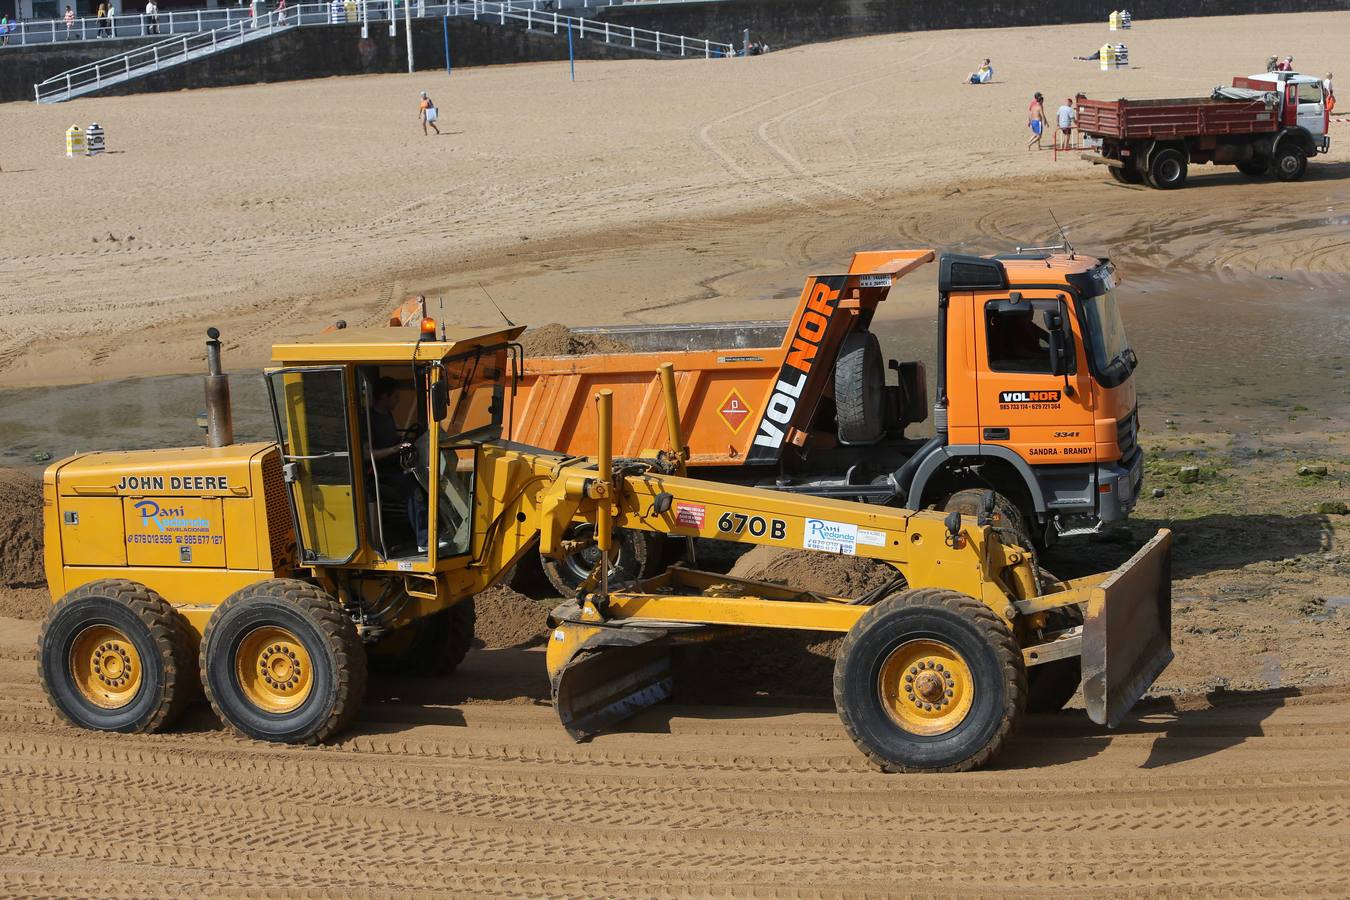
(734, 411)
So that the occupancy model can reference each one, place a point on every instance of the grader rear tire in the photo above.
(114, 656)
(929, 681)
(282, 662)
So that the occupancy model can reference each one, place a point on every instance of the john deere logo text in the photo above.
(164, 518)
(1028, 396)
(802, 350)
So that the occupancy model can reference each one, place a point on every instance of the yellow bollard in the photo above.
(1113, 20)
(1108, 57)
(74, 141)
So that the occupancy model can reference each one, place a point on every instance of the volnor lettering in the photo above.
(782, 404)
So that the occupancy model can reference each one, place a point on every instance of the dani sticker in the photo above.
(832, 537)
(690, 515)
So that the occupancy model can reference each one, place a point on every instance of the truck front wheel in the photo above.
(1289, 163)
(1167, 169)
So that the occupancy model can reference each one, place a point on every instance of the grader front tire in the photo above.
(114, 656)
(929, 681)
(282, 662)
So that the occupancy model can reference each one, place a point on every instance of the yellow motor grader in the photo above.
(268, 573)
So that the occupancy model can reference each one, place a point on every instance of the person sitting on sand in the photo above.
(1036, 120)
(426, 111)
(983, 75)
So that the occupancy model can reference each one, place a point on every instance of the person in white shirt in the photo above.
(152, 17)
(1067, 115)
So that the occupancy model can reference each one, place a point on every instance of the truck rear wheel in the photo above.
(114, 656)
(1254, 169)
(1289, 163)
(282, 662)
(1167, 169)
(428, 647)
(929, 681)
(637, 555)
(860, 390)
(1126, 174)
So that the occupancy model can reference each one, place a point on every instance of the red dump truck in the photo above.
(1265, 124)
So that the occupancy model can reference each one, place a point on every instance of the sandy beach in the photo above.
(646, 191)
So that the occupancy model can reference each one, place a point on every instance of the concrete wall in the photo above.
(322, 51)
(786, 23)
(312, 52)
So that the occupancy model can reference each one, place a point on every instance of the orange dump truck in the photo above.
(1034, 397)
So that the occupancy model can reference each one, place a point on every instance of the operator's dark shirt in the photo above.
(385, 433)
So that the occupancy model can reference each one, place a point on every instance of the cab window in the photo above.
(1310, 92)
(1018, 335)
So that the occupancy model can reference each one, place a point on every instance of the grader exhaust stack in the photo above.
(219, 414)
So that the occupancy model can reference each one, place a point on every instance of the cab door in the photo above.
(310, 412)
(1311, 112)
(1024, 405)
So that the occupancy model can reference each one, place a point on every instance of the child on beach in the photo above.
(426, 111)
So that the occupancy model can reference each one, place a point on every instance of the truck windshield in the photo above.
(1112, 357)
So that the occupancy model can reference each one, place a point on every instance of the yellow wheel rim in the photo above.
(274, 669)
(926, 687)
(105, 666)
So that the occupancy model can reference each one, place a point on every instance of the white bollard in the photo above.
(93, 139)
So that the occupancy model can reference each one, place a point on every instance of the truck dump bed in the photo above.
(729, 375)
(1178, 118)
(722, 372)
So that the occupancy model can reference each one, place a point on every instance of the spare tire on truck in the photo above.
(860, 390)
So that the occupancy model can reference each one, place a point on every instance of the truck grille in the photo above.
(280, 529)
(1127, 434)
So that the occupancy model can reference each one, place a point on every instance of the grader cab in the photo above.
(270, 572)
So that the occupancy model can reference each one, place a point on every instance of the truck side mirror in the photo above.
(1061, 346)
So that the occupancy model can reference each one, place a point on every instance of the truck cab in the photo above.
(1303, 104)
(1036, 398)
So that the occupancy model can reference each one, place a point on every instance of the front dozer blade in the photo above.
(1127, 632)
(610, 676)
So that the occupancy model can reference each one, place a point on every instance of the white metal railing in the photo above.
(172, 51)
(91, 28)
(156, 56)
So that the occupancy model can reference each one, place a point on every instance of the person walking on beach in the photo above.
(1065, 117)
(426, 111)
(1036, 120)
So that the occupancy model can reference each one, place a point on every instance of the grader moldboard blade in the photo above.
(606, 676)
(1127, 632)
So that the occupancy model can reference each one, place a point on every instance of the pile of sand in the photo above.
(508, 619)
(23, 592)
(823, 573)
(559, 340)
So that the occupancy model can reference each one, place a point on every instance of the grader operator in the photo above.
(267, 572)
